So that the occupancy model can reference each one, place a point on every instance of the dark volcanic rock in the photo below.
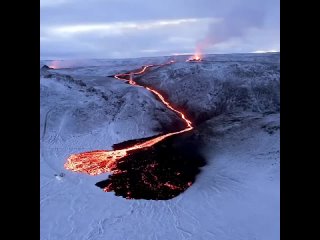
(45, 67)
(160, 172)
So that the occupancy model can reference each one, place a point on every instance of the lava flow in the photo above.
(102, 161)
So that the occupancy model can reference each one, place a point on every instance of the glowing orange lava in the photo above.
(102, 161)
(194, 58)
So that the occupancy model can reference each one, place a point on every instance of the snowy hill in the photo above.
(234, 100)
(221, 84)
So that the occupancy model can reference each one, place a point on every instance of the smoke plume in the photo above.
(235, 22)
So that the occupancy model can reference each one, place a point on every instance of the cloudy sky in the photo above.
(137, 28)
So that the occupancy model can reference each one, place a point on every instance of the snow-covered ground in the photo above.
(236, 196)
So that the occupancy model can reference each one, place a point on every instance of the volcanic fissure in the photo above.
(159, 167)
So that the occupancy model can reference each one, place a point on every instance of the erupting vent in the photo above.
(195, 58)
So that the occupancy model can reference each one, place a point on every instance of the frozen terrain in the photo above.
(234, 101)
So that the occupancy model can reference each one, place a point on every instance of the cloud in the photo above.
(52, 3)
(265, 51)
(126, 28)
(108, 39)
(237, 21)
(118, 28)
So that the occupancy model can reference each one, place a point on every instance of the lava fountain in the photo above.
(197, 57)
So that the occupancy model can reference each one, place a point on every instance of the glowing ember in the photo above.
(101, 161)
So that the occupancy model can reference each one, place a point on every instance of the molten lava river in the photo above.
(159, 167)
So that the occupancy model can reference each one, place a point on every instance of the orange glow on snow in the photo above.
(102, 161)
